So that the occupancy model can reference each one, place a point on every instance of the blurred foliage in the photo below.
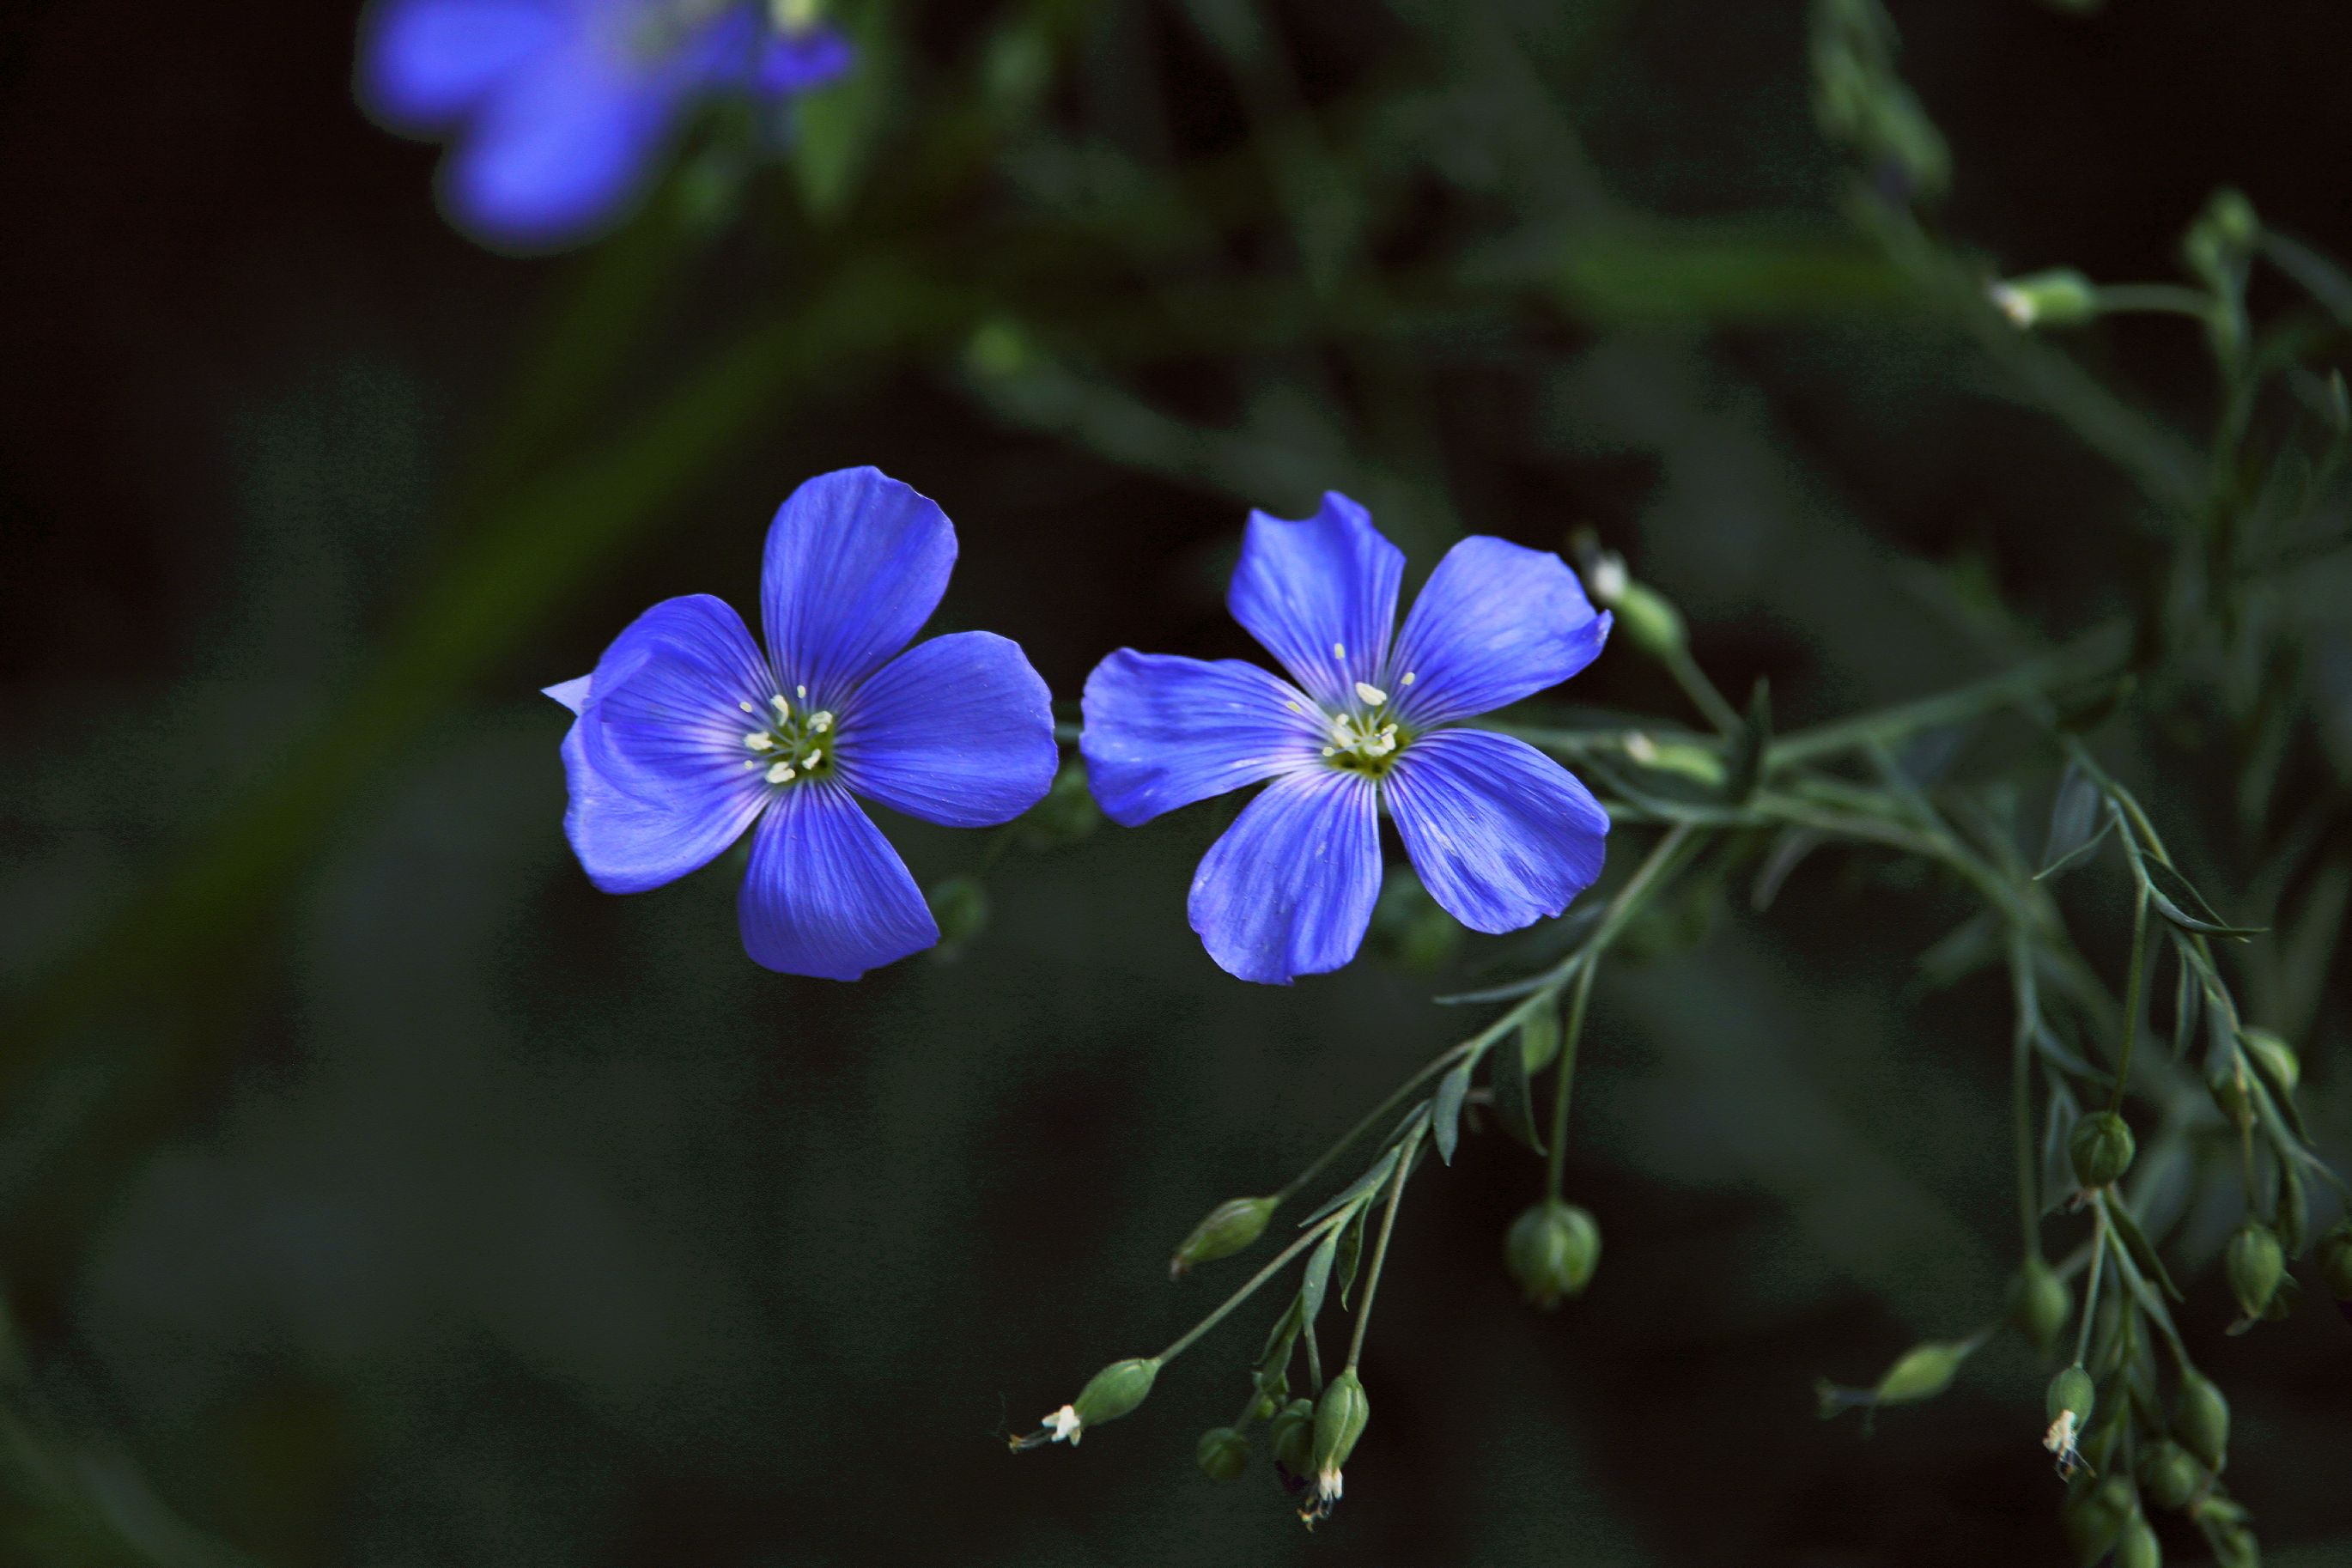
(370, 1191)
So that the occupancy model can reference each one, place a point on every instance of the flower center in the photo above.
(1365, 739)
(789, 742)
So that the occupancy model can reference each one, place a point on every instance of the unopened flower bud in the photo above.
(2334, 1258)
(2254, 1260)
(2101, 1148)
(2071, 1398)
(2234, 1546)
(2138, 1547)
(1108, 1395)
(2227, 1085)
(1339, 1419)
(1650, 619)
(1924, 1371)
(2061, 297)
(2040, 1303)
(1223, 1231)
(2170, 1474)
(1069, 812)
(2275, 1055)
(1550, 1252)
(2201, 1419)
(1291, 1436)
(2094, 1515)
(1222, 1454)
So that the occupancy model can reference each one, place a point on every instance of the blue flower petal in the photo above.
(1289, 888)
(563, 149)
(1321, 595)
(956, 731)
(856, 562)
(1495, 622)
(1163, 731)
(825, 894)
(573, 694)
(1500, 834)
(656, 759)
(425, 63)
(797, 63)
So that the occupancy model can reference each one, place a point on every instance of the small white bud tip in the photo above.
(1065, 1425)
(2014, 303)
(1608, 579)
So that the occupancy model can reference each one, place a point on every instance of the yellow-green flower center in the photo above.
(789, 743)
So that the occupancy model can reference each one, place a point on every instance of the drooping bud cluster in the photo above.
(2100, 1148)
(1223, 1231)
(1550, 1252)
(1339, 1419)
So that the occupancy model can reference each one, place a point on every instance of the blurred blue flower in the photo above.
(1500, 834)
(562, 110)
(688, 734)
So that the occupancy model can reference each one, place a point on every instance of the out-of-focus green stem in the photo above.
(1572, 1031)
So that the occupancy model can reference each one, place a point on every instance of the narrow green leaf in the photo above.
(1351, 1251)
(1316, 1281)
(2178, 902)
(1514, 1099)
(2077, 822)
(2135, 1242)
(1748, 747)
(1355, 1189)
(1445, 1107)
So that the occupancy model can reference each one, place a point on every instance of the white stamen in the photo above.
(800, 692)
(781, 774)
(1330, 751)
(1371, 693)
(1338, 650)
(783, 709)
(1294, 707)
(760, 740)
(747, 708)
(820, 722)
(1408, 678)
(750, 763)
(814, 757)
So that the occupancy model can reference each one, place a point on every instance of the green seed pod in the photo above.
(2201, 1419)
(2138, 1547)
(2061, 297)
(1222, 1454)
(1291, 1436)
(2254, 1261)
(2335, 1260)
(960, 905)
(1539, 1039)
(2274, 1056)
(2073, 1390)
(2230, 1098)
(1550, 1252)
(2101, 1148)
(1648, 618)
(1923, 1372)
(1114, 1391)
(2234, 1546)
(1223, 1231)
(2170, 1474)
(1339, 1419)
(2094, 1516)
(2040, 1303)
(1067, 814)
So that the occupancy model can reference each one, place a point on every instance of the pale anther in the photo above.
(760, 740)
(1408, 678)
(1371, 693)
(783, 709)
(747, 708)
(814, 757)
(781, 774)
(1338, 650)
(820, 722)
(800, 692)
(1294, 707)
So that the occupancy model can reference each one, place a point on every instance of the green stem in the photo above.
(2096, 649)
(2091, 1291)
(1313, 1234)
(2159, 299)
(1429, 1070)
(1701, 690)
(1381, 1247)
(2132, 976)
(2029, 1012)
(1555, 1152)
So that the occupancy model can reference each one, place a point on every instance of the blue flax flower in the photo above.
(1499, 833)
(688, 734)
(562, 110)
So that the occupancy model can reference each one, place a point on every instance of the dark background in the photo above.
(377, 1193)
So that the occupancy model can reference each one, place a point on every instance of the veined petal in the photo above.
(1163, 731)
(827, 895)
(425, 63)
(1321, 595)
(1289, 888)
(1500, 834)
(562, 149)
(629, 844)
(660, 785)
(856, 562)
(956, 731)
(1495, 622)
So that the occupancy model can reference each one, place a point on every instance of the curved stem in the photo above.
(1702, 691)
(1314, 1233)
(2091, 1291)
(2029, 1012)
(1555, 1152)
(2132, 976)
(1381, 1247)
